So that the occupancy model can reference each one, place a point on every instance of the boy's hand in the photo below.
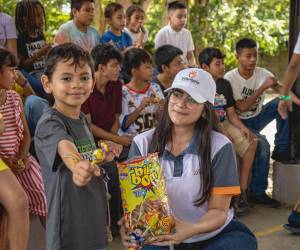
(44, 50)
(83, 173)
(270, 83)
(125, 140)
(283, 107)
(145, 102)
(19, 77)
(114, 150)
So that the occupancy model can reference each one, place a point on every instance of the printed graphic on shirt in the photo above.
(246, 92)
(31, 49)
(220, 103)
(132, 100)
(86, 148)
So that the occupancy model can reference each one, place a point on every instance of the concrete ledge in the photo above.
(286, 183)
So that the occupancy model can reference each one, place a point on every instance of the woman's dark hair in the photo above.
(207, 55)
(102, 53)
(26, 10)
(111, 8)
(206, 124)
(165, 54)
(131, 9)
(134, 58)
(7, 59)
(63, 53)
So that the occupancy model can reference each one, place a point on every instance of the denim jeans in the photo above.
(33, 109)
(259, 181)
(234, 236)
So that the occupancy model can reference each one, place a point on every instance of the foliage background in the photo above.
(218, 23)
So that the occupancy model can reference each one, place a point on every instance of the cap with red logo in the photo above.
(198, 83)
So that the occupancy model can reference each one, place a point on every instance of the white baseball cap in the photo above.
(198, 83)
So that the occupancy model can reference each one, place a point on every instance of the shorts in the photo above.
(240, 143)
(3, 166)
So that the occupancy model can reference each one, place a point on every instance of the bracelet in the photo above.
(75, 157)
(285, 98)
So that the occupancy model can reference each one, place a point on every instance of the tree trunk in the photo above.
(125, 3)
(99, 16)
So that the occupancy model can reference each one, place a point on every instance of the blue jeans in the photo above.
(259, 180)
(33, 109)
(234, 236)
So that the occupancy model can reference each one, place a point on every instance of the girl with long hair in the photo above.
(199, 167)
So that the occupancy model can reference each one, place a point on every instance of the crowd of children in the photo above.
(88, 87)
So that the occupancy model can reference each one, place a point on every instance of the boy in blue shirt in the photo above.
(115, 16)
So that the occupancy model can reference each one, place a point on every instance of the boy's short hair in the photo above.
(134, 58)
(101, 54)
(77, 4)
(208, 54)
(165, 54)
(245, 43)
(66, 52)
(7, 59)
(133, 8)
(111, 8)
(176, 5)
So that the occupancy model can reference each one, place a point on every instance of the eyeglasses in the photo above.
(176, 96)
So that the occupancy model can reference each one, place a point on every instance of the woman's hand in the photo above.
(127, 241)
(184, 230)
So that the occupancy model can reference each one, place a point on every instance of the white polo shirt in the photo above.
(243, 88)
(182, 39)
(182, 176)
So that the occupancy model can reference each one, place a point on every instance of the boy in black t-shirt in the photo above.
(169, 62)
(211, 60)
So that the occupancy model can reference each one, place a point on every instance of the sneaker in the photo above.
(283, 157)
(264, 200)
(294, 222)
(294, 219)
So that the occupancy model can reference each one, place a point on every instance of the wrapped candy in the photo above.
(100, 153)
(145, 202)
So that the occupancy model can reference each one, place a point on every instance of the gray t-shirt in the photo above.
(77, 215)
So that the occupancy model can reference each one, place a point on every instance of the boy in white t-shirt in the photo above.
(249, 84)
(175, 34)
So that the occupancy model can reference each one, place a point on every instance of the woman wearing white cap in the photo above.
(199, 167)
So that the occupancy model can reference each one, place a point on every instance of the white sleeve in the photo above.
(268, 73)
(297, 46)
(159, 39)
(236, 88)
(190, 45)
(64, 32)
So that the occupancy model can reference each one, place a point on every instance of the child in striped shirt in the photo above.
(15, 140)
